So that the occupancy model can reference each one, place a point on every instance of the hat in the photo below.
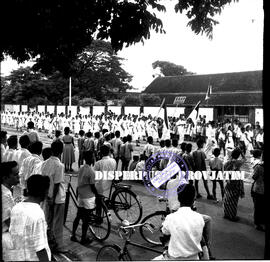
(256, 153)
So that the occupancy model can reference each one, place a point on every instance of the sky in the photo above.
(237, 45)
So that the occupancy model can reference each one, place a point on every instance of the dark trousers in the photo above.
(259, 208)
(125, 163)
(84, 215)
(215, 186)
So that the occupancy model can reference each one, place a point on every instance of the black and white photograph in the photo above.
(133, 130)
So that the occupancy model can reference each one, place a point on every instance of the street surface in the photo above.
(230, 240)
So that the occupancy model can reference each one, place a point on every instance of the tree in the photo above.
(170, 69)
(89, 102)
(97, 72)
(54, 32)
(74, 101)
(131, 100)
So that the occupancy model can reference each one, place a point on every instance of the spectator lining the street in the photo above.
(68, 152)
(199, 158)
(185, 228)
(55, 202)
(10, 177)
(3, 137)
(257, 190)
(28, 228)
(23, 152)
(234, 188)
(29, 164)
(10, 153)
(80, 142)
(86, 197)
(216, 165)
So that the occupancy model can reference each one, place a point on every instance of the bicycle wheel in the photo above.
(100, 225)
(151, 232)
(109, 253)
(126, 205)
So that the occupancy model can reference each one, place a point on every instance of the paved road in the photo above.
(231, 240)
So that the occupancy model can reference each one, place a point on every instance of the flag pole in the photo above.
(163, 101)
(69, 104)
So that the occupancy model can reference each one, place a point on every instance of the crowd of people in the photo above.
(33, 176)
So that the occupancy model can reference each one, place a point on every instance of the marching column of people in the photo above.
(110, 150)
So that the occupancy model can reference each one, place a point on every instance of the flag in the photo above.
(195, 112)
(166, 122)
(165, 130)
(161, 106)
(209, 92)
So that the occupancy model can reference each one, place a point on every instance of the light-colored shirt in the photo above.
(172, 195)
(259, 138)
(7, 204)
(32, 134)
(28, 168)
(9, 155)
(20, 155)
(3, 150)
(105, 164)
(86, 178)
(216, 164)
(54, 169)
(185, 228)
(116, 143)
(149, 149)
(28, 230)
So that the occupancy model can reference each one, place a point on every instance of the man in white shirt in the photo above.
(29, 163)
(259, 139)
(55, 203)
(28, 228)
(3, 137)
(9, 154)
(105, 164)
(31, 132)
(10, 177)
(23, 152)
(185, 228)
(116, 143)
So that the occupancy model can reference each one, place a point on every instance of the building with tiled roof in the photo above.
(234, 95)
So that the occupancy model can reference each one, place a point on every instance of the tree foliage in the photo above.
(89, 102)
(170, 69)
(97, 72)
(54, 32)
(131, 100)
(141, 100)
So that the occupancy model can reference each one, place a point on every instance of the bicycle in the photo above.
(115, 252)
(99, 220)
(124, 202)
(155, 220)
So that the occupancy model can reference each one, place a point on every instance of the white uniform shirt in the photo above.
(9, 155)
(185, 228)
(20, 155)
(28, 168)
(105, 164)
(54, 169)
(28, 229)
